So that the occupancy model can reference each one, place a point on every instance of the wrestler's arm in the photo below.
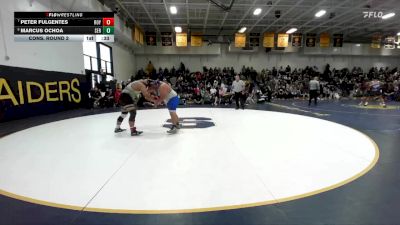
(164, 90)
(140, 86)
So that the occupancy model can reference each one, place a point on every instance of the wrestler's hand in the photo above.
(157, 102)
(154, 99)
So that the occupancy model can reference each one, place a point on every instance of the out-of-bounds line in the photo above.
(385, 131)
(298, 109)
(102, 187)
(348, 112)
(376, 107)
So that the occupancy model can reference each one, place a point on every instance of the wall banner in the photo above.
(29, 92)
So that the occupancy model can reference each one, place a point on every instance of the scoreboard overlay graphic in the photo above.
(64, 26)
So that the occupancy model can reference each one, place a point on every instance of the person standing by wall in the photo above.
(149, 69)
(238, 87)
(314, 89)
(117, 93)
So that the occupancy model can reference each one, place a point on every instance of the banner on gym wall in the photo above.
(297, 40)
(151, 38)
(29, 92)
(137, 34)
(196, 40)
(283, 40)
(240, 40)
(268, 41)
(181, 40)
(398, 41)
(389, 42)
(166, 38)
(310, 40)
(376, 41)
(324, 40)
(254, 39)
(141, 38)
(337, 40)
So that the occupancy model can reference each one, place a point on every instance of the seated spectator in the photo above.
(251, 98)
(94, 97)
(207, 97)
(140, 74)
(389, 91)
(107, 100)
(224, 96)
(198, 99)
(196, 91)
(215, 85)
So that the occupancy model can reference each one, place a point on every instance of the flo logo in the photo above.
(192, 122)
(373, 14)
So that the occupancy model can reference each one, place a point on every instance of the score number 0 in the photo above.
(108, 21)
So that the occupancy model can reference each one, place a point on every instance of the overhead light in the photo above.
(320, 13)
(358, 45)
(173, 10)
(178, 29)
(291, 30)
(257, 11)
(242, 30)
(387, 16)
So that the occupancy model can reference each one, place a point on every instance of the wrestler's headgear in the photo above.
(153, 83)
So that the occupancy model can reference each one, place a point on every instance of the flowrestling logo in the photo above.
(372, 14)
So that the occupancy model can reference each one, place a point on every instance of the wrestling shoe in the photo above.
(119, 130)
(366, 103)
(135, 132)
(173, 130)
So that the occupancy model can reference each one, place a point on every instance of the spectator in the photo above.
(238, 88)
(140, 74)
(182, 67)
(95, 96)
(198, 99)
(149, 68)
(108, 99)
(117, 94)
(314, 89)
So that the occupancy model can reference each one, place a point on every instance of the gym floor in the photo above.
(368, 194)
